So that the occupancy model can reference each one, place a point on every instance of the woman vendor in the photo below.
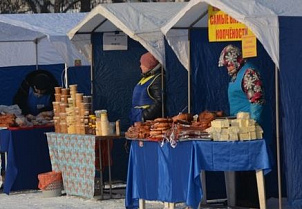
(36, 93)
(245, 94)
(147, 97)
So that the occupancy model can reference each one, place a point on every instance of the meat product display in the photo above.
(7, 120)
(153, 130)
(179, 127)
(183, 117)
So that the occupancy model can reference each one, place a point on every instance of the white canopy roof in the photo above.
(261, 16)
(140, 21)
(19, 34)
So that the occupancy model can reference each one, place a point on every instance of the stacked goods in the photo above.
(183, 131)
(178, 127)
(140, 130)
(91, 125)
(154, 130)
(187, 128)
(183, 118)
(102, 123)
(242, 128)
(159, 128)
(105, 128)
(71, 112)
(7, 120)
(205, 118)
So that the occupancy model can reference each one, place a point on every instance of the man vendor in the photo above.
(36, 93)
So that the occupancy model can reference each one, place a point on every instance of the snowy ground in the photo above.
(36, 200)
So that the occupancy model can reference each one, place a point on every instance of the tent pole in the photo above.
(189, 71)
(36, 41)
(91, 75)
(162, 92)
(278, 136)
(37, 61)
(65, 76)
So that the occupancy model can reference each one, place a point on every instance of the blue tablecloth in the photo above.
(172, 174)
(27, 156)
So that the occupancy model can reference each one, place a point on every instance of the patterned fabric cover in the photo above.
(74, 156)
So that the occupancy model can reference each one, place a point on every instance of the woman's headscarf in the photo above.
(231, 56)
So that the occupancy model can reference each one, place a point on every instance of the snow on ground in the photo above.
(35, 199)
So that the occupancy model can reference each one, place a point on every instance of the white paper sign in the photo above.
(115, 41)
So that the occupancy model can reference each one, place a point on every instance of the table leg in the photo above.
(109, 167)
(230, 184)
(169, 205)
(261, 189)
(204, 187)
(142, 204)
(5, 160)
(101, 169)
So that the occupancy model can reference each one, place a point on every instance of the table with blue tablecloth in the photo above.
(27, 156)
(160, 172)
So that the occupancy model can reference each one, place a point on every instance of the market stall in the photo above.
(187, 33)
(33, 41)
(27, 156)
(30, 42)
(277, 30)
(136, 26)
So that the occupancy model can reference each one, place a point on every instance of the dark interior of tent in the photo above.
(12, 77)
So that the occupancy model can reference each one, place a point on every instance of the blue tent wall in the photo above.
(291, 101)
(82, 77)
(114, 80)
(209, 92)
(12, 77)
(176, 84)
(115, 75)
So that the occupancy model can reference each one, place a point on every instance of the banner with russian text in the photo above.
(223, 27)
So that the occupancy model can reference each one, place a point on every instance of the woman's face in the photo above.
(231, 69)
(144, 69)
(39, 92)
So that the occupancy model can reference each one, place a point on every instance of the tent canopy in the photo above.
(140, 21)
(38, 39)
(261, 16)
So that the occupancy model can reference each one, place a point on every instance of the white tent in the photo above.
(38, 39)
(263, 18)
(260, 19)
(140, 21)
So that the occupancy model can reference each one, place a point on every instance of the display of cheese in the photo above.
(242, 128)
(243, 115)
(220, 123)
